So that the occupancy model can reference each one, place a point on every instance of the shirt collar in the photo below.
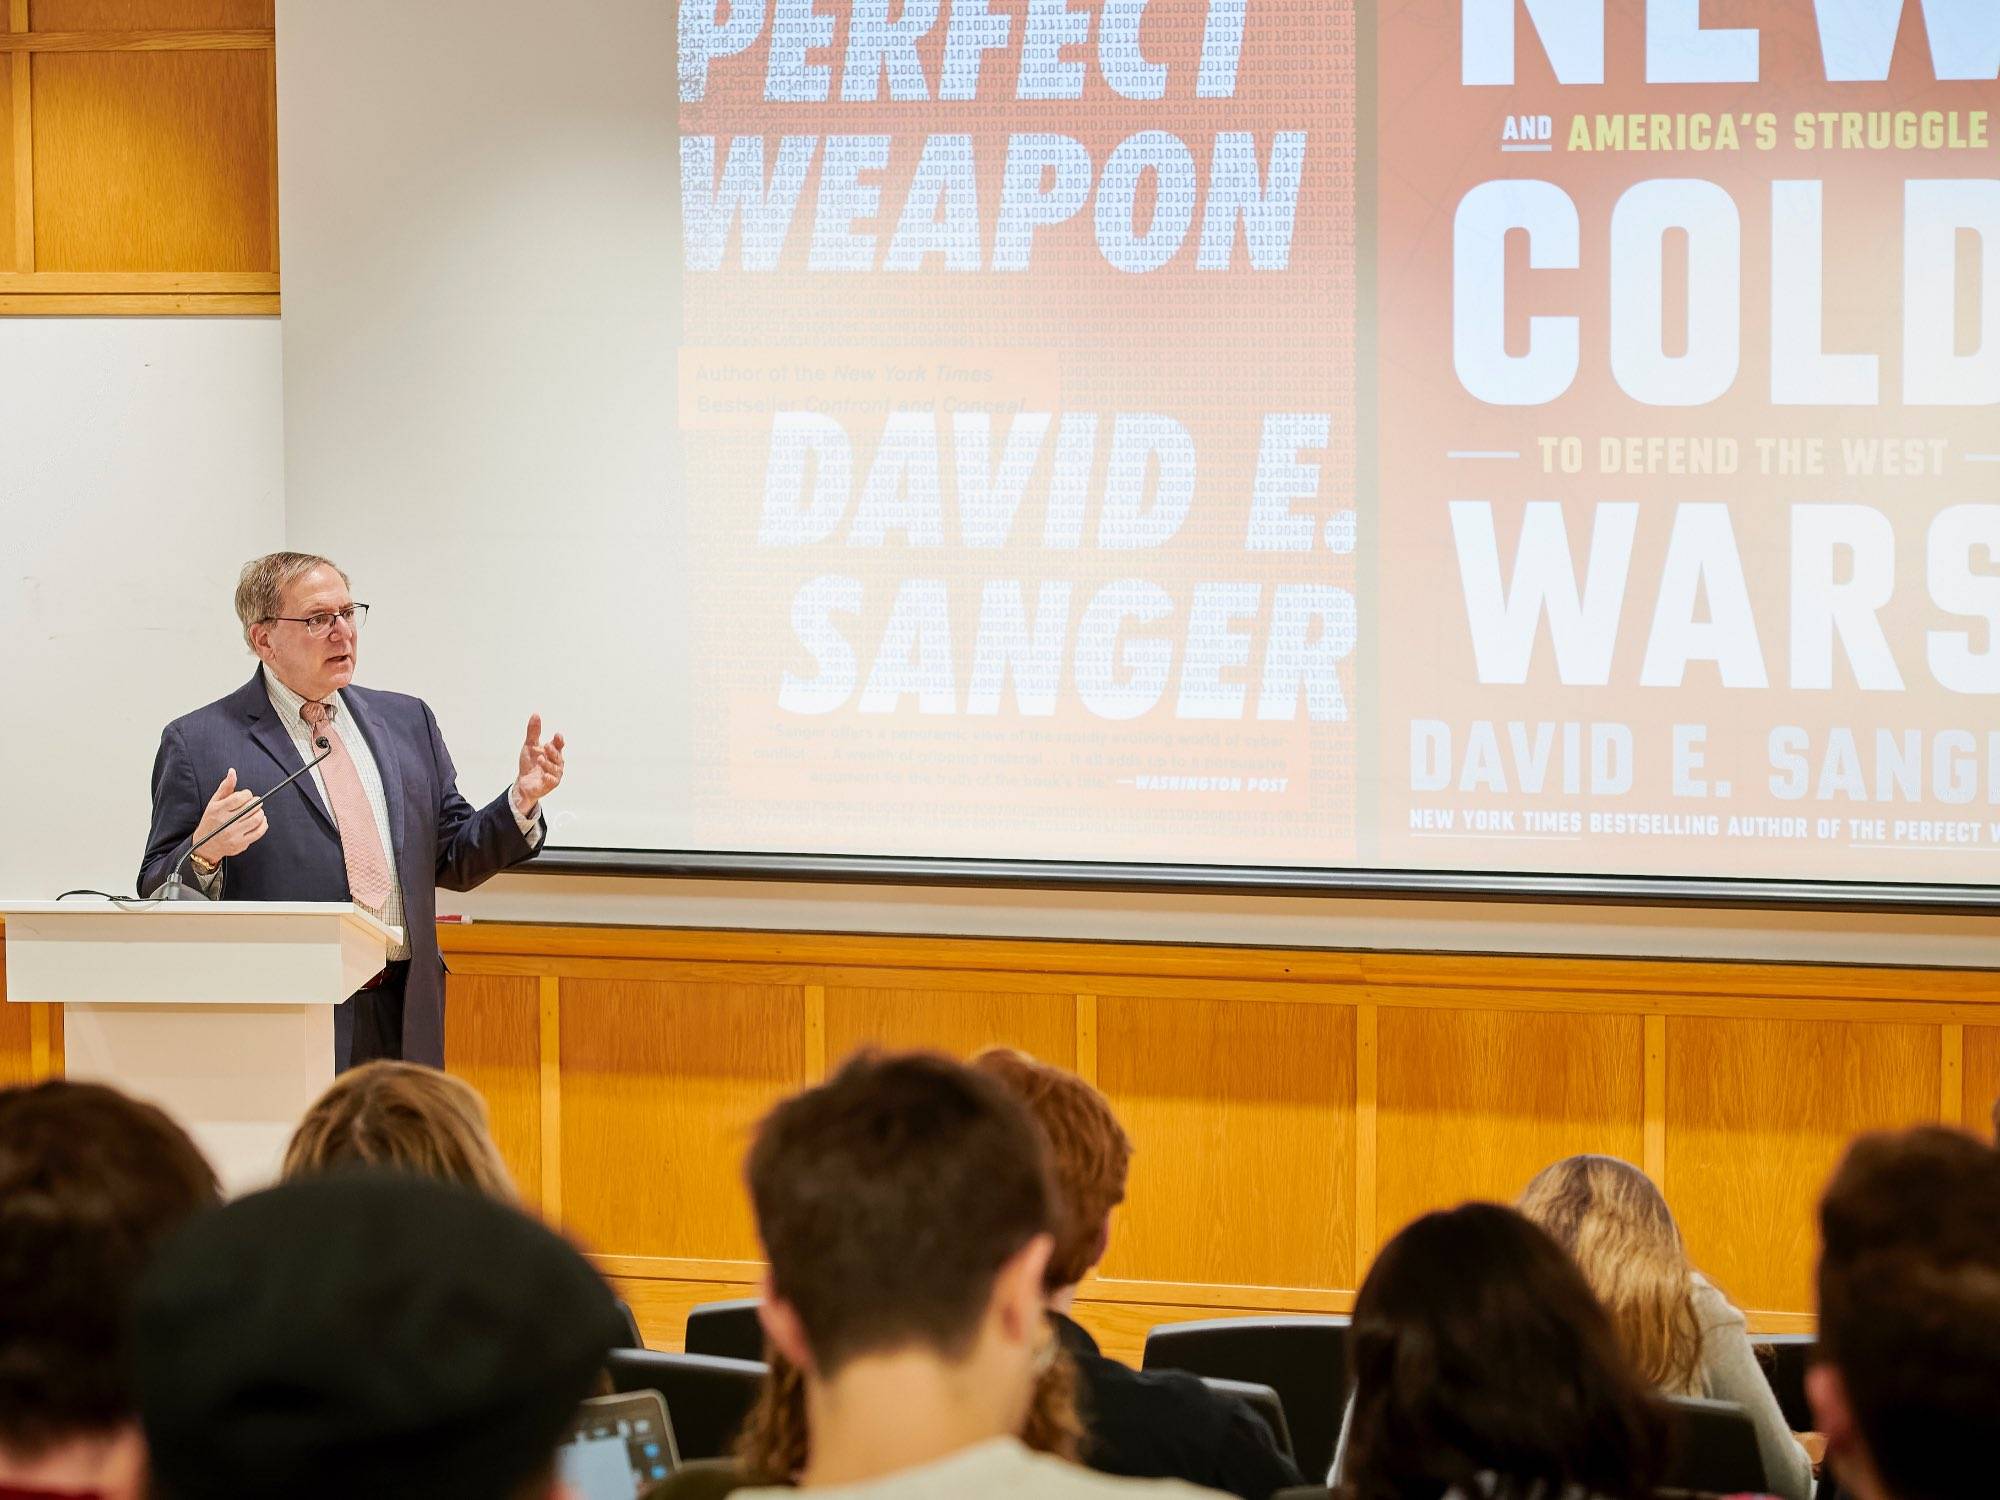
(288, 703)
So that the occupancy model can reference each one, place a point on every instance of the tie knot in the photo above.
(316, 714)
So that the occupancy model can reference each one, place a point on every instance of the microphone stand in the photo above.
(173, 888)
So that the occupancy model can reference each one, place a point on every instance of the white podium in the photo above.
(220, 1012)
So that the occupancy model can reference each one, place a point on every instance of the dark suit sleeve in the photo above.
(177, 807)
(472, 843)
(1247, 1461)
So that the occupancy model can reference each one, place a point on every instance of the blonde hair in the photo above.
(1617, 1228)
(405, 1116)
(260, 587)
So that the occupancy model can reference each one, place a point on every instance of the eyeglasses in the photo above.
(356, 615)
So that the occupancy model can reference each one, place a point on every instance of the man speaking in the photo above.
(377, 821)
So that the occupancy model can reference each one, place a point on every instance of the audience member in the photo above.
(90, 1183)
(1484, 1369)
(905, 1210)
(1908, 1390)
(1681, 1334)
(367, 1333)
(402, 1115)
(774, 1444)
(1152, 1424)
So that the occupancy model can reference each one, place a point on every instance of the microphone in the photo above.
(173, 889)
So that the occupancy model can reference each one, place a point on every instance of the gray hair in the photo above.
(260, 588)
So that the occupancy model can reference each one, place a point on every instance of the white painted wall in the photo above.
(140, 464)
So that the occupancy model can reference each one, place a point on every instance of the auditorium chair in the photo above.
(1714, 1449)
(1303, 1359)
(1785, 1357)
(1262, 1400)
(729, 1329)
(707, 1398)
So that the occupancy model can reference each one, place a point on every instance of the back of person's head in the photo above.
(1089, 1149)
(90, 1183)
(1617, 1228)
(1909, 1314)
(405, 1116)
(366, 1333)
(890, 1199)
(1477, 1349)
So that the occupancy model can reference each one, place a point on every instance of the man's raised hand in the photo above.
(541, 766)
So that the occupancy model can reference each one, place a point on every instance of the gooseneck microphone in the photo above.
(173, 889)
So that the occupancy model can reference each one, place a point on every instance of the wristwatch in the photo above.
(202, 867)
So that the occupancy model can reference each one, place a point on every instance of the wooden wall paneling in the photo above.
(1982, 1078)
(492, 1039)
(19, 205)
(9, 208)
(152, 161)
(958, 1021)
(661, 1084)
(661, 1306)
(16, 1032)
(1242, 1116)
(151, 15)
(1758, 1112)
(548, 1092)
(1472, 1104)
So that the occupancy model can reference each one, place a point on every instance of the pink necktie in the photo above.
(360, 844)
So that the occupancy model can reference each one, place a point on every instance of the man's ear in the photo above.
(1019, 1296)
(260, 641)
(783, 1328)
(1833, 1416)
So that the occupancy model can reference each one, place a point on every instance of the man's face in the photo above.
(311, 666)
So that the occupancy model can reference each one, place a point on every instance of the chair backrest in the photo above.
(1303, 1359)
(1262, 1400)
(1785, 1357)
(707, 1398)
(728, 1329)
(634, 1339)
(1714, 1449)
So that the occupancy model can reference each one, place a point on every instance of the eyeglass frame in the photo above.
(355, 613)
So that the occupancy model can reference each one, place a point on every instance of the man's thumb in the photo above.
(228, 784)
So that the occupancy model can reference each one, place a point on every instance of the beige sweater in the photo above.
(1002, 1467)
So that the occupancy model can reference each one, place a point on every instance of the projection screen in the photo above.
(1474, 436)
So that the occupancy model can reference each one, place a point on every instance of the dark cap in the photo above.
(366, 1334)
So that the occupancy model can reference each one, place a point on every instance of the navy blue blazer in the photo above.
(440, 839)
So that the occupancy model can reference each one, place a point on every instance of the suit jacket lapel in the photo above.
(276, 741)
(384, 750)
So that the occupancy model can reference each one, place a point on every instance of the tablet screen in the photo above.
(617, 1446)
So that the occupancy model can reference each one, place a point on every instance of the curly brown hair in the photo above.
(1088, 1147)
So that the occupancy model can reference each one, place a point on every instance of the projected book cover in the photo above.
(1441, 434)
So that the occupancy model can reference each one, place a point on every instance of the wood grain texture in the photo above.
(152, 162)
(113, 304)
(661, 1085)
(139, 41)
(1758, 1112)
(1243, 1119)
(150, 15)
(8, 208)
(1280, 975)
(960, 1022)
(1982, 1078)
(62, 283)
(16, 1060)
(1471, 1104)
(492, 1039)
